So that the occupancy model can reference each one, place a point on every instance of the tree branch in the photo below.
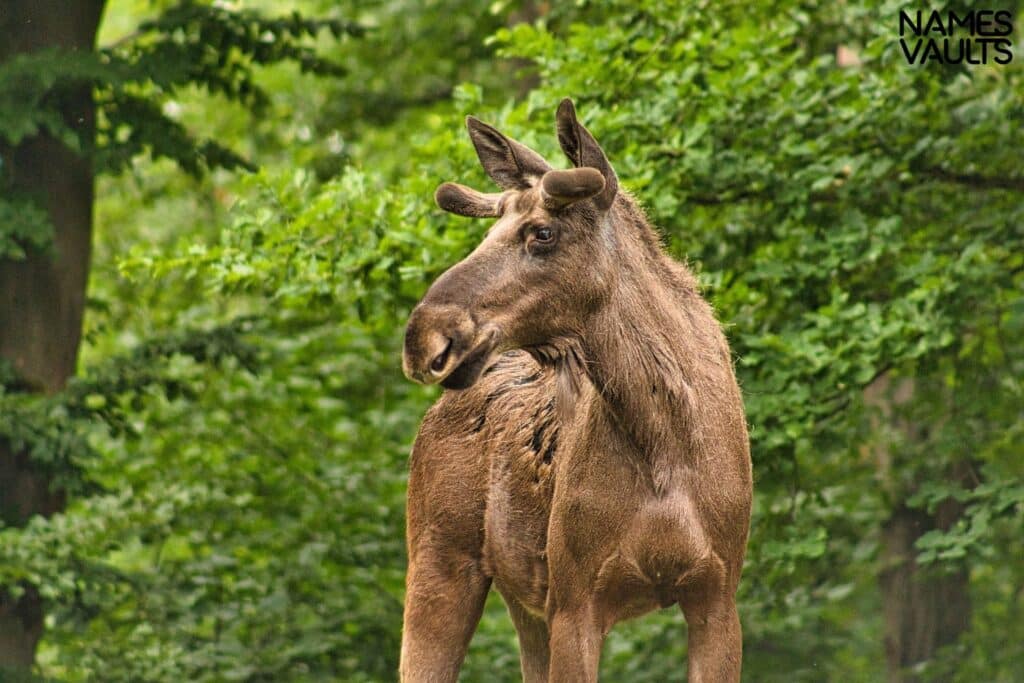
(975, 180)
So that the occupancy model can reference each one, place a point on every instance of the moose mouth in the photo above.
(468, 371)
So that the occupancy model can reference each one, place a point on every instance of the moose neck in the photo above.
(652, 351)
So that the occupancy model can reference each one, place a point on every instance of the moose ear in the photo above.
(583, 151)
(465, 201)
(509, 163)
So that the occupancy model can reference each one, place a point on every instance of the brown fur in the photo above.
(591, 459)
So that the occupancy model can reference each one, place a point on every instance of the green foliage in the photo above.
(242, 425)
(253, 449)
(32, 86)
(25, 226)
(189, 45)
(412, 57)
(206, 46)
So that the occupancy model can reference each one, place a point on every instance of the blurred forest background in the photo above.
(215, 490)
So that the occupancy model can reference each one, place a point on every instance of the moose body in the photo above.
(590, 458)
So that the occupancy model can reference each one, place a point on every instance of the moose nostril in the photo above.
(441, 359)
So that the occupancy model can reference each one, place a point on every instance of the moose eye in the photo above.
(541, 239)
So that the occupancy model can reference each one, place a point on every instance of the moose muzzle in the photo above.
(443, 344)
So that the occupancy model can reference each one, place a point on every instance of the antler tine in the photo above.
(559, 189)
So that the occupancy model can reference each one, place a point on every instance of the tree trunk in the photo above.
(924, 608)
(42, 297)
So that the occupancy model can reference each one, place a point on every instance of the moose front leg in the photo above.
(715, 640)
(534, 642)
(576, 640)
(443, 603)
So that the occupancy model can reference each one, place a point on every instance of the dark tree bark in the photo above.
(924, 608)
(42, 297)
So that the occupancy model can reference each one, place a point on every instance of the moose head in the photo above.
(543, 267)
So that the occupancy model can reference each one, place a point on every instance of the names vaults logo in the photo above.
(971, 37)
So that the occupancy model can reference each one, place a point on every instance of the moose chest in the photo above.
(540, 464)
(523, 439)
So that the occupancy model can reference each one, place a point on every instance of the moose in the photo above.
(589, 456)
